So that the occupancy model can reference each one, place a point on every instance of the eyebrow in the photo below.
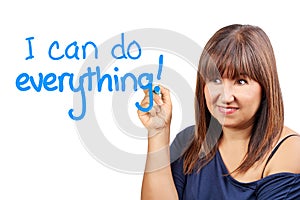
(244, 74)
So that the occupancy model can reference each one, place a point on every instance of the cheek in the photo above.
(208, 98)
(253, 98)
(206, 94)
(256, 102)
(211, 93)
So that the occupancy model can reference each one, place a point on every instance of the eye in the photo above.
(242, 81)
(216, 80)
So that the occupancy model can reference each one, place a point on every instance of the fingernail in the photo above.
(160, 102)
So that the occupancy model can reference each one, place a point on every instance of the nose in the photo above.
(227, 93)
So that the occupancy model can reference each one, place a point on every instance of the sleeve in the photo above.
(178, 146)
(178, 177)
(280, 186)
(181, 142)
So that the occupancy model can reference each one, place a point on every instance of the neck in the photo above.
(236, 138)
(233, 134)
(233, 147)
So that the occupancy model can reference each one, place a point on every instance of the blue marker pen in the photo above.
(156, 90)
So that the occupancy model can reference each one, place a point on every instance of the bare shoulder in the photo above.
(287, 156)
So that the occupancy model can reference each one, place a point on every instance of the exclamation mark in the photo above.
(156, 89)
(160, 66)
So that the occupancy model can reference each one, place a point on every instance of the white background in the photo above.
(41, 156)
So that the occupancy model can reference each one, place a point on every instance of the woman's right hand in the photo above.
(158, 121)
(159, 117)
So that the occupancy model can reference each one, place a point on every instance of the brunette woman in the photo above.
(239, 147)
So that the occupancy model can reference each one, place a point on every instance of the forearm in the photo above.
(159, 185)
(158, 181)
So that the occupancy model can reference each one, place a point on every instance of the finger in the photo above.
(157, 108)
(165, 95)
(157, 99)
(144, 103)
(146, 92)
(152, 112)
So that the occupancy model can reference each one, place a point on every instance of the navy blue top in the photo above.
(212, 183)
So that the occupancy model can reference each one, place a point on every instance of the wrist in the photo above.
(158, 159)
(158, 139)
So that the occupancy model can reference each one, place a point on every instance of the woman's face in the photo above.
(233, 102)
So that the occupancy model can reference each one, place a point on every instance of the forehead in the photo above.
(230, 71)
(234, 75)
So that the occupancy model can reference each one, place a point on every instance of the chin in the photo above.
(228, 124)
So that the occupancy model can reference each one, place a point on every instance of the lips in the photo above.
(227, 110)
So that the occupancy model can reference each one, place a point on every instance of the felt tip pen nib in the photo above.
(156, 90)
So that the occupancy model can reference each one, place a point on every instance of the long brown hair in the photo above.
(233, 50)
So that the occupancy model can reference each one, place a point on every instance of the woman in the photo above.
(240, 148)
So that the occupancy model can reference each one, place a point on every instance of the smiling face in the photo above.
(233, 102)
